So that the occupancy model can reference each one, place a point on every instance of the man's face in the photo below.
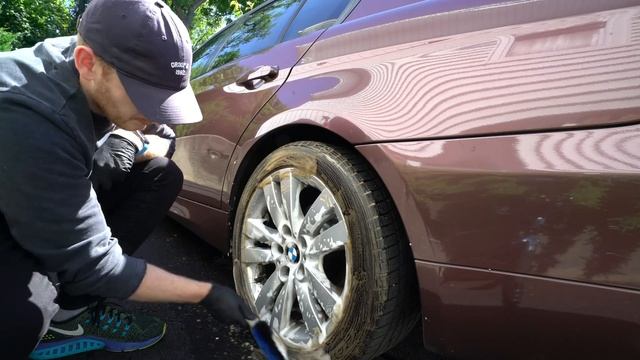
(111, 99)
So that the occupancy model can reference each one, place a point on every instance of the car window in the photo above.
(260, 30)
(315, 15)
(205, 56)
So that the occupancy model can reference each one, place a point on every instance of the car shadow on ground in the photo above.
(193, 334)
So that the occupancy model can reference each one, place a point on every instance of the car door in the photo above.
(234, 75)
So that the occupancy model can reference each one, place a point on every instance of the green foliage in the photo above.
(205, 24)
(251, 34)
(204, 18)
(35, 20)
(6, 40)
(240, 7)
(26, 22)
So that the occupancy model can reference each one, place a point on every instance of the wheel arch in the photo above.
(269, 142)
(281, 136)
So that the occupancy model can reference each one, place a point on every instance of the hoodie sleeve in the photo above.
(52, 210)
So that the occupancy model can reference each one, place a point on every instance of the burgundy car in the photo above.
(472, 165)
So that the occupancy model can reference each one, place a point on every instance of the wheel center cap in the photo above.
(293, 253)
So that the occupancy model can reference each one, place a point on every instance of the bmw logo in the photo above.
(293, 254)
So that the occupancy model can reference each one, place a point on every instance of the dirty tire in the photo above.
(381, 306)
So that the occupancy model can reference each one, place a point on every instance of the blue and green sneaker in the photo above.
(103, 326)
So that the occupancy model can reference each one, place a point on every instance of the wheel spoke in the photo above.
(269, 292)
(257, 255)
(283, 305)
(291, 188)
(255, 229)
(310, 312)
(322, 291)
(329, 240)
(317, 212)
(273, 197)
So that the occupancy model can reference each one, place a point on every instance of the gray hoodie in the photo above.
(47, 142)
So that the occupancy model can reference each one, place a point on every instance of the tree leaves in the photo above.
(6, 40)
(34, 20)
(204, 18)
(26, 22)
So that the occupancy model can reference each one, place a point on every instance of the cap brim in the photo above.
(162, 105)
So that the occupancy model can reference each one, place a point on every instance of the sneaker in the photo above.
(103, 326)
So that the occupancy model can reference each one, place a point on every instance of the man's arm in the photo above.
(159, 285)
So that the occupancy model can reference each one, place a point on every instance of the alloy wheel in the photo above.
(295, 256)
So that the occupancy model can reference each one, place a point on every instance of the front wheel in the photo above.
(319, 253)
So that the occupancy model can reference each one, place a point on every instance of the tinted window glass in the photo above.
(259, 31)
(205, 56)
(315, 12)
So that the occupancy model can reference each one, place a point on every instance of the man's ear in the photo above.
(86, 62)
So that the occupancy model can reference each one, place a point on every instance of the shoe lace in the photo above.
(105, 313)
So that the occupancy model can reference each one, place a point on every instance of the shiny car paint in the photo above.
(507, 134)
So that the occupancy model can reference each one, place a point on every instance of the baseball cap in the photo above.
(150, 48)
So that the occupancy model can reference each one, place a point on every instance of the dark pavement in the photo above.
(193, 334)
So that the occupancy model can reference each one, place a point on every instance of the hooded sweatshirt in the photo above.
(47, 203)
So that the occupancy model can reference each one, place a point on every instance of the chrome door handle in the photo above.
(258, 77)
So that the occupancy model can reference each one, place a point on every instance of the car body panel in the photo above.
(205, 221)
(562, 205)
(483, 314)
(533, 239)
(560, 73)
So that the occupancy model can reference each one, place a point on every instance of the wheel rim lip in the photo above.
(246, 271)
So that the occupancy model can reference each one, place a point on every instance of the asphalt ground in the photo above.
(192, 333)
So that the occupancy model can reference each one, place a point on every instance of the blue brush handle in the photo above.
(264, 338)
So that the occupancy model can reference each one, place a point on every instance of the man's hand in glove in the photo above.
(112, 162)
(227, 306)
(162, 142)
(155, 147)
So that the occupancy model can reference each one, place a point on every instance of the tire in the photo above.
(354, 286)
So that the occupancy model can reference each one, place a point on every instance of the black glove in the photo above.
(112, 162)
(226, 305)
(164, 132)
